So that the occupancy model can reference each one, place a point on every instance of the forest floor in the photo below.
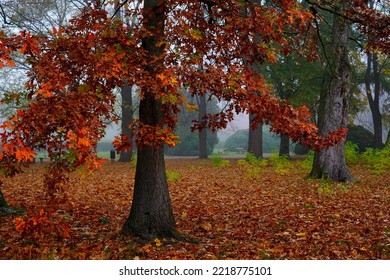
(234, 212)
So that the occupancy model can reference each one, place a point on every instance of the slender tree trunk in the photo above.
(203, 132)
(127, 120)
(284, 148)
(330, 163)
(151, 214)
(373, 77)
(255, 139)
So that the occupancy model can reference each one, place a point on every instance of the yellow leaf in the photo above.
(184, 214)
(300, 234)
(157, 242)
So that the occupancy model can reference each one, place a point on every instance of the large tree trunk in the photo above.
(373, 77)
(255, 139)
(202, 132)
(330, 163)
(151, 214)
(127, 120)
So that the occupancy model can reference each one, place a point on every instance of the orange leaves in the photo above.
(25, 155)
(274, 216)
(148, 135)
(41, 224)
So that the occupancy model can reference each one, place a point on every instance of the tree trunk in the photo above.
(333, 112)
(255, 139)
(151, 214)
(5, 209)
(373, 77)
(3, 203)
(202, 132)
(284, 148)
(127, 120)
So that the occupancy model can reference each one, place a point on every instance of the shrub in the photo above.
(281, 164)
(307, 163)
(377, 160)
(173, 176)
(362, 137)
(351, 153)
(219, 162)
(253, 166)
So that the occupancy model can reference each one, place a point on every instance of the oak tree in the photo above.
(75, 70)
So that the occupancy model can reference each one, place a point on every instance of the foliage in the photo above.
(328, 187)
(93, 54)
(360, 136)
(188, 144)
(278, 217)
(218, 162)
(281, 164)
(240, 140)
(173, 176)
(76, 67)
(45, 222)
(307, 163)
(351, 153)
(252, 165)
(377, 160)
(300, 149)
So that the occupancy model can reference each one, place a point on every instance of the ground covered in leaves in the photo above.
(234, 211)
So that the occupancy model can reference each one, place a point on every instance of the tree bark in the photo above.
(127, 120)
(373, 77)
(5, 209)
(151, 214)
(255, 139)
(284, 148)
(333, 112)
(3, 203)
(202, 132)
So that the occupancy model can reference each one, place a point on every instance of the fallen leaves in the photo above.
(231, 216)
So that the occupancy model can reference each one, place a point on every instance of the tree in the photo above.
(330, 163)
(203, 131)
(334, 99)
(126, 120)
(297, 80)
(75, 70)
(373, 96)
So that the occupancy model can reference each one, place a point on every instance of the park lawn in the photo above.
(234, 212)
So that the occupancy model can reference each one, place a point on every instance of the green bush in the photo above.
(362, 137)
(219, 162)
(281, 164)
(173, 176)
(253, 166)
(189, 144)
(377, 160)
(307, 163)
(351, 153)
